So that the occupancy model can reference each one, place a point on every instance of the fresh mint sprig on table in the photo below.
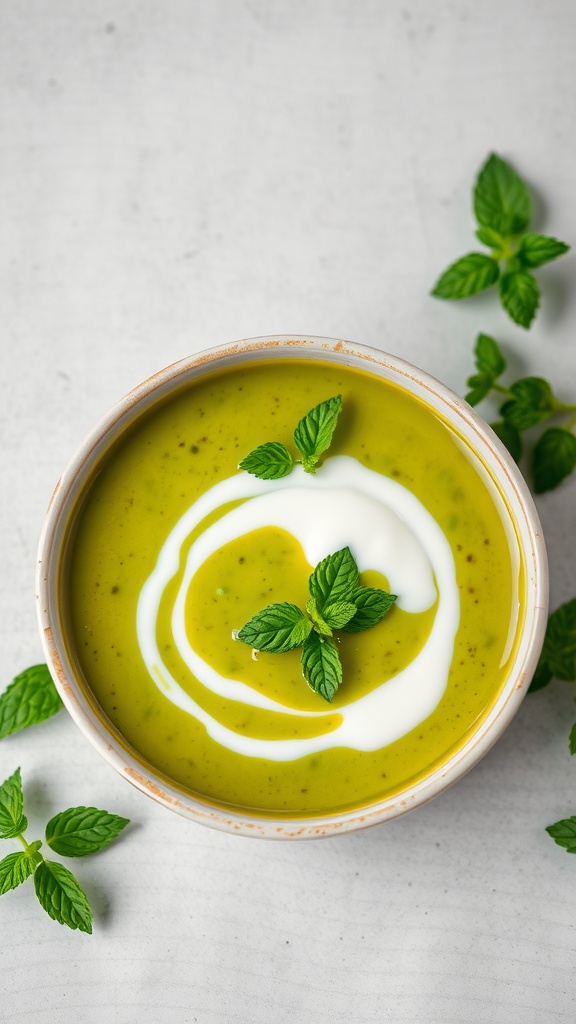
(312, 437)
(503, 210)
(75, 832)
(29, 699)
(337, 602)
(529, 402)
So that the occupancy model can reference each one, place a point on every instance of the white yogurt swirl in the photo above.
(388, 530)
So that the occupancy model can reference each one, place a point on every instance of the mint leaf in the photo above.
(269, 461)
(481, 385)
(30, 698)
(553, 458)
(489, 358)
(501, 199)
(318, 621)
(559, 649)
(371, 606)
(339, 613)
(572, 739)
(15, 869)
(321, 665)
(467, 276)
(532, 402)
(278, 628)
(61, 896)
(520, 296)
(510, 437)
(12, 820)
(82, 830)
(313, 434)
(535, 250)
(564, 833)
(334, 579)
(491, 238)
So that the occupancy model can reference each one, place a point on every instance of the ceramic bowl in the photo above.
(57, 642)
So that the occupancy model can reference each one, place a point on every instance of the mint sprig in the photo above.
(529, 402)
(30, 698)
(503, 210)
(312, 437)
(337, 602)
(75, 832)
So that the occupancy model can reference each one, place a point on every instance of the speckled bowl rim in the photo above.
(467, 424)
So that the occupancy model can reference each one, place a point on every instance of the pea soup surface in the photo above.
(174, 548)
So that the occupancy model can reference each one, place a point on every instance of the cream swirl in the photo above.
(387, 528)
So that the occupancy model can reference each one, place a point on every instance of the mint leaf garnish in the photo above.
(321, 665)
(334, 579)
(337, 602)
(535, 250)
(59, 893)
(12, 820)
(30, 698)
(312, 437)
(520, 296)
(553, 458)
(15, 869)
(278, 628)
(73, 833)
(270, 461)
(371, 606)
(501, 199)
(531, 402)
(503, 208)
(313, 434)
(564, 833)
(559, 649)
(79, 831)
(467, 276)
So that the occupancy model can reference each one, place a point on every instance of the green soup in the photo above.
(144, 487)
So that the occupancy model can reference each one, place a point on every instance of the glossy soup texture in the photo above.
(173, 548)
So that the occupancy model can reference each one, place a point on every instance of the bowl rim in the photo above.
(466, 422)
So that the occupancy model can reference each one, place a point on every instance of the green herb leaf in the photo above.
(30, 698)
(313, 434)
(269, 461)
(542, 677)
(559, 649)
(510, 437)
(61, 896)
(535, 250)
(82, 830)
(334, 579)
(564, 833)
(15, 869)
(489, 358)
(572, 739)
(371, 606)
(467, 276)
(481, 385)
(321, 665)
(501, 199)
(338, 614)
(318, 621)
(532, 402)
(276, 629)
(491, 238)
(520, 296)
(12, 820)
(553, 458)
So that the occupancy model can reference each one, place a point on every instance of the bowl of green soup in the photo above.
(292, 587)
